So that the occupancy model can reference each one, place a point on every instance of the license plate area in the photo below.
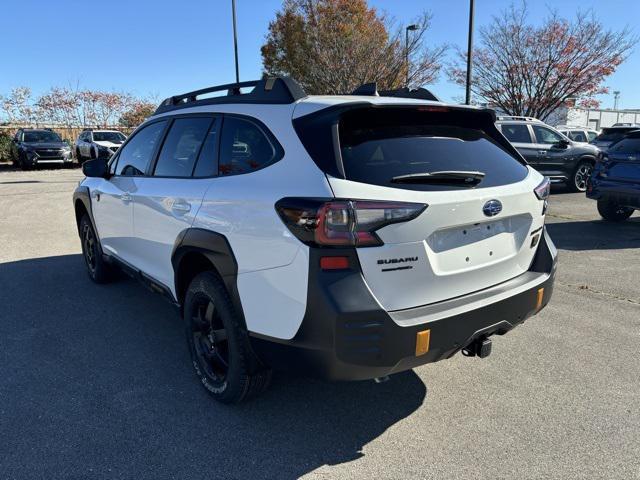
(471, 246)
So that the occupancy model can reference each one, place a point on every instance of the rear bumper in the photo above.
(622, 193)
(346, 335)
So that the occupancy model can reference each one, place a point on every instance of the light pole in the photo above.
(235, 40)
(469, 52)
(413, 28)
(616, 96)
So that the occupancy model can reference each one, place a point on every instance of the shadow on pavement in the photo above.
(595, 234)
(97, 382)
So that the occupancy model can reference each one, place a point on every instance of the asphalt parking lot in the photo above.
(96, 380)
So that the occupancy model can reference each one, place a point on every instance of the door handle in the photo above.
(542, 152)
(126, 197)
(181, 207)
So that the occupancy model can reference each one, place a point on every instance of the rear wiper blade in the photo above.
(457, 177)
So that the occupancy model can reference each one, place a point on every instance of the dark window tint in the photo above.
(613, 134)
(546, 135)
(376, 147)
(181, 147)
(135, 156)
(516, 133)
(41, 136)
(244, 147)
(627, 145)
(207, 165)
(577, 136)
(113, 137)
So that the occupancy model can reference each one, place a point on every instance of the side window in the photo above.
(135, 156)
(181, 147)
(578, 136)
(244, 147)
(207, 165)
(592, 136)
(546, 135)
(516, 133)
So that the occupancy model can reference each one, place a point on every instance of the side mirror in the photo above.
(563, 143)
(98, 167)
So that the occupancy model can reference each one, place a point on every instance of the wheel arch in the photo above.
(82, 206)
(586, 158)
(198, 250)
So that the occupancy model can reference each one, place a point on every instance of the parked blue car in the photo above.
(615, 181)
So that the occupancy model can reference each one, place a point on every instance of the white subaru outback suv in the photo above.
(350, 236)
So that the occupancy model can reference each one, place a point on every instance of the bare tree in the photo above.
(527, 70)
(19, 106)
(334, 46)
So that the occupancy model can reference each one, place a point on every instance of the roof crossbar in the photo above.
(268, 90)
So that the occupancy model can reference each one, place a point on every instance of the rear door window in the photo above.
(377, 146)
(592, 136)
(182, 146)
(244, 147)
(516, 133)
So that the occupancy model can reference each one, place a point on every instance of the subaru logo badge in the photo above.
(492, 208)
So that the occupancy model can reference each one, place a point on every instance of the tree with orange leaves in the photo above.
(529, 70)
(334, 46)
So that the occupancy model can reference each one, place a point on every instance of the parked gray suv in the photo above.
(549, 151)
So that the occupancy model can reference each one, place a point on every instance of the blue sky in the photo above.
(162, 48)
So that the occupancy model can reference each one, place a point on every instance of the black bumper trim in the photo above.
(346, 335)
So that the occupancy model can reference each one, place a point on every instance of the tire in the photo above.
(612, 211)
(219, 343)
(581, 174)
(79, 156)
(24, 164)
(99, 271)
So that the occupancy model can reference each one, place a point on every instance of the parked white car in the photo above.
(350, 237)
(94, 143)
(578, 134)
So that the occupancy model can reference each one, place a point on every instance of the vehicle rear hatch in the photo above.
(621, 168)
(610, 135)
(462, 242)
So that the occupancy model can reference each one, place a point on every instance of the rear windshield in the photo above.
(379, 145)
(613, 134)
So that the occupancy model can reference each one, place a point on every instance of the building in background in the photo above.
(595, 118)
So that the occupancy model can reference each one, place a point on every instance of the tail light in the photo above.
(543, 190)
(340, 223)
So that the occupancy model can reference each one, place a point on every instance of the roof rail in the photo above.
(274, 90)
(371, 89)
(518, 117)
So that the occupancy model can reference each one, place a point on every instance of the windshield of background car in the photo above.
(41, 136)
(113, 137)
